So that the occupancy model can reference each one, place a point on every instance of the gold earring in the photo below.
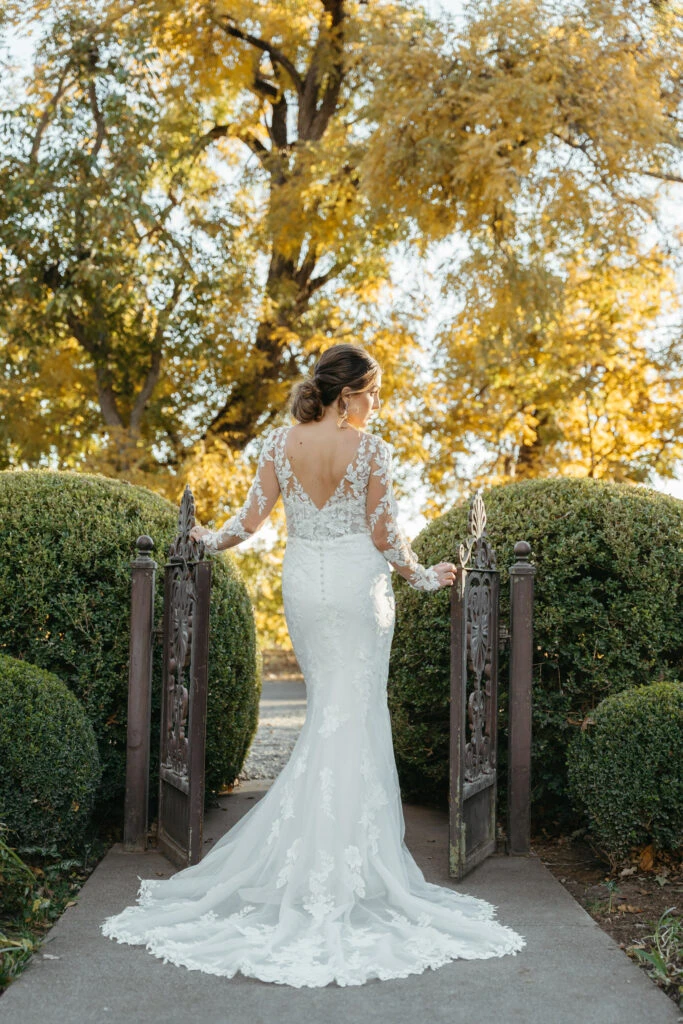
(343, 417)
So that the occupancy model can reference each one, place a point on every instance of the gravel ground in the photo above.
(281, 715)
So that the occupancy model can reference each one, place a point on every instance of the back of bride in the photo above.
(315, 883)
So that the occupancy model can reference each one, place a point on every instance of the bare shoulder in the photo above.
(320, 437)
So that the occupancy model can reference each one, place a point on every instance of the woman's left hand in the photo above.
(445, 573)
(197, 532)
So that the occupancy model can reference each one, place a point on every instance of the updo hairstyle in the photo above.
(339, 366)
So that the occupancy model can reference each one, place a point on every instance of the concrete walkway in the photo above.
(570, 972)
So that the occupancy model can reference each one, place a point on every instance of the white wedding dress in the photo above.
(315, 883)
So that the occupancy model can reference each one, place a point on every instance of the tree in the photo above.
(182, 225)
(535, 139)
(543, 373)
(114, 286)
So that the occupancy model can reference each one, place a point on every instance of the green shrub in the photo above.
(48, 752)
(625, 770)
(17, 881)
(68, 539)
(608, 615)
(234, 687)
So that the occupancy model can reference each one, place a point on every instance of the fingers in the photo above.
(446, 571)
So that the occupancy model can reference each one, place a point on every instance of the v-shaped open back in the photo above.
(340, 485)
(362, 503)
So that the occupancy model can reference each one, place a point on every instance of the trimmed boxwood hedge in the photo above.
(50, 763)
(625, 770)
(66, 541)
(608, 615)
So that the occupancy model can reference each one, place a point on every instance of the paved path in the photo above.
(570, 972)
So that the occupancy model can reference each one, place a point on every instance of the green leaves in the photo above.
(50, 758)
(608, 615)
(624, 771)
(69, 539)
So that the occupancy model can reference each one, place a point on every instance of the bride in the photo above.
(314, 884)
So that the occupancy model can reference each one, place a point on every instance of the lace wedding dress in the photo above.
(315, 883)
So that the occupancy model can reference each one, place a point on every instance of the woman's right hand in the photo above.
(445, 572)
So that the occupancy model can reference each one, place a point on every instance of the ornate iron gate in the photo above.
(474, 695)
(187, 587)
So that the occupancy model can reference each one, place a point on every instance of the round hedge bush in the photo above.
(625, 770)
(608, 615)
(50, 762)
(69, 539)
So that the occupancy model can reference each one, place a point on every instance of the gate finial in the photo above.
(183, 546)
(478, 541)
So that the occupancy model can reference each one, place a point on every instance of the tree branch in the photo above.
(47, 114)
(277, 129)
(152, 376)
(107, 400)
(105, 392)
(99, 119)
(317, 282)
(583, 148)
(226, 23)
(661, 175)
(145, 392)
(222, 131)
(266, 88)
(255, 145)
(314, 118)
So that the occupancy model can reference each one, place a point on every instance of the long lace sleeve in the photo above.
(383, 519)
(258, 505)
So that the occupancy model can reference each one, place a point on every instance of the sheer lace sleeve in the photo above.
(383, 519)
(258, 505)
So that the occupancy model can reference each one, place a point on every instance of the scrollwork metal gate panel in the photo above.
(474, 696)
(187, 588)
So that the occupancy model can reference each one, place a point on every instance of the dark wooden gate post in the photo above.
(521, 669)
(187, 590)
(474, 701)
(139, 697)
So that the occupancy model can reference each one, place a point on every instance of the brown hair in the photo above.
(339, 366)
